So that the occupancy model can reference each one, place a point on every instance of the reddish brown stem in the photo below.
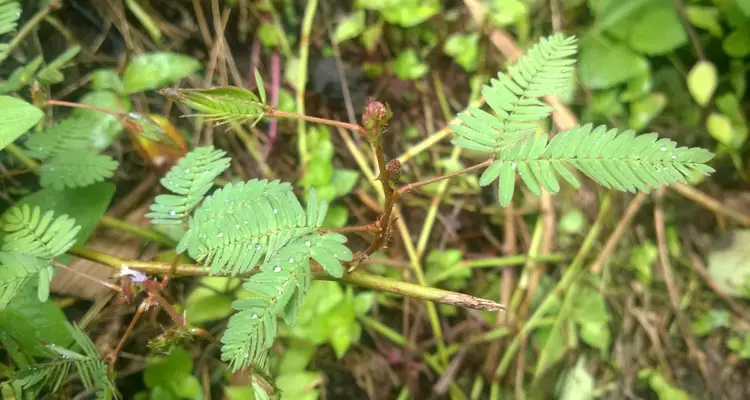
(414, 185)
(391, 196)
(356, 228)
(77, 105)
(113, 355)
(153, 292)
(272, 113)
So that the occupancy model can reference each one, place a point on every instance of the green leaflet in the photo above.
(31, 241)
(617, 160)
(10, 12)
(72, 133)
(545, 70)
(76, 168)
(189, 180)
(44, 236)
(16, 270)
(50, 374)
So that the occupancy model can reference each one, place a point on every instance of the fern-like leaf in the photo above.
(516, 100)
(31, 233)
(76, 168)
(622, 161)
(10, 11)
(16, 269)
(240, 223)
(72, 133)
(50, 374)
(189, 180)
(280, 287)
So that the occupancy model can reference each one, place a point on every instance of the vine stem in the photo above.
(415, 185)
(273, 113)
(361, 279)
(77, 105)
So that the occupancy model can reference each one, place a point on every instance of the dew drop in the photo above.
(275, 210)
(220, 234)
(257, 247)
(276, 269)
(291, 260)
(245, 222)
(513, 165)
(336, 255)
(663, 148)
(307, 243)
(674, 156)
(247, 355)
(254, 316)
(187, 170)
(172, 213)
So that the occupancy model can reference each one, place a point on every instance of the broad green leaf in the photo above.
(350, 27)
(106, 79)
(663, 389)
(572, 221)
(740, 345)
(204, 304)
(658, 31)
(705, 17)
(577, 383)
(17, 117)
(642, 259)
(738, 77)
(187, 387)
(720, 127)
(105, 128)
(408, 66)
(405, 13)
(729, 263)
(371, 36)
(157, 70)
(744, 5)
(702, 81)
(552, 344)
(298, 385)
(638, 87)
(737, 43)
(31, 323)
(715, 318)
(645, 109)
(162, 370)
(506, 12)
(344, 180)
(592, 315)
(611, 13)
(268, 35)
(464, 49)
(336, 218)
(604, 63)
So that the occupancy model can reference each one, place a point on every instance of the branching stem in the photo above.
(414, 185)
(361, 279)
(273, 113)
(78, 105)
